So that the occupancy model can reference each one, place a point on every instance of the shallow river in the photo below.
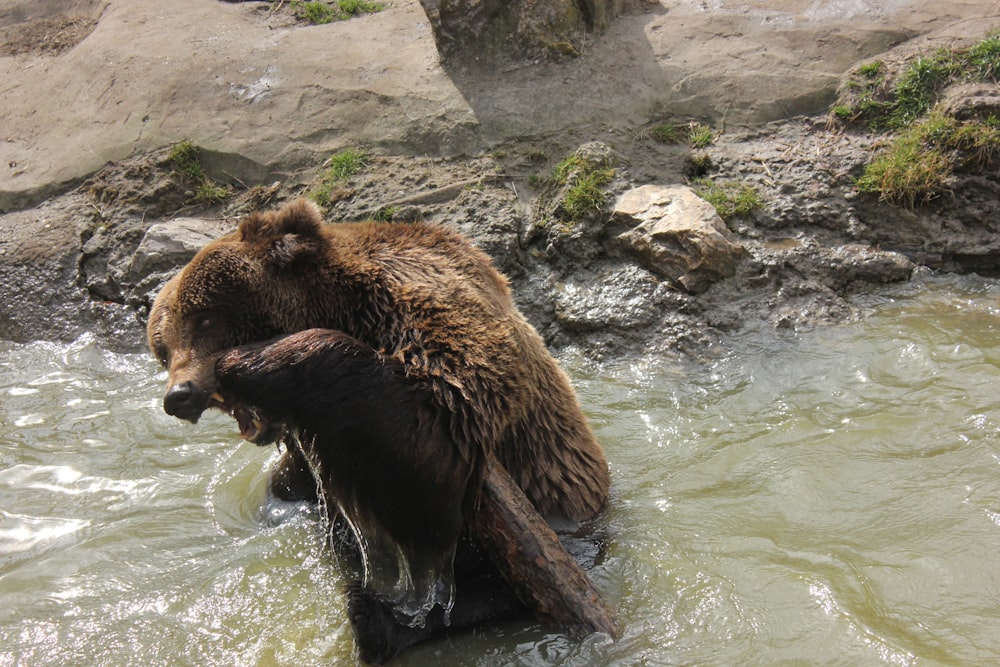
(822, 498)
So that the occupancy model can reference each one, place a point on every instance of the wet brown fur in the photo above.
(416, 293)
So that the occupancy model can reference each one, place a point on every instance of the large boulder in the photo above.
(678, 235)
(499, 30)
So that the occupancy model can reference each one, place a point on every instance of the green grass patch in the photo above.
(342, 165)
(320, 13)
(355, 7)
(979, 142)
(872, 70)
(317, 13)
(210, 193)
(585, 183)
(983, 59)
(586, 195)
(730, 199)
(700, 136)
(694, 134)
(916, 166)
(346, 163)
(908, 174)
(385, 214)
(186, 160)
(928, 146)
(843, 112)
(667, 133)
(566, 167)
(869, 97)
(918, 87)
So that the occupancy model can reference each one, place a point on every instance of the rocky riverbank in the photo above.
(674, 99)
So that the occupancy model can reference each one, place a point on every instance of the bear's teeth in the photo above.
(216, 396)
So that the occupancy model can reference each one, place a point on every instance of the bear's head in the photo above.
(256, 283)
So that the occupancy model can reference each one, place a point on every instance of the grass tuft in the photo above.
(700, 136)
(342, 165)
(908, 174)
(731, 200)
(872, 70)
(929, 146)
(208, 192)
(983, 59)
(870, 99)
(916, 167)
(585, 180)
(917, 89)
(186, 160)
(347, 163)
(667, 133)
(321, 13)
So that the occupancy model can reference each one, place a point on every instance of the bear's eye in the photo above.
(207, 324)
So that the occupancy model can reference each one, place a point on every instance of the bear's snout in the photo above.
(185, 400)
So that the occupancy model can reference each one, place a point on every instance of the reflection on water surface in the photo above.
(828, 498)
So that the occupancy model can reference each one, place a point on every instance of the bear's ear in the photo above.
(286, 234)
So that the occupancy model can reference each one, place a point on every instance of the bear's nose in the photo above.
(186, 401)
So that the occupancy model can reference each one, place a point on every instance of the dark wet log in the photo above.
(531, 558)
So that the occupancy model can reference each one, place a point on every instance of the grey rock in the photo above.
(170, 244)
(623, 297)
(165, 247)
(678, 235)
(973, 100)
(498, 30)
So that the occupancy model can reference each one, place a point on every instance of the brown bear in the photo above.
(391, 361)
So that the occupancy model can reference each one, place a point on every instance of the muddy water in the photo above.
(822, 498)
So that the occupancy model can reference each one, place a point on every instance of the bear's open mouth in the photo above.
(254, 425)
